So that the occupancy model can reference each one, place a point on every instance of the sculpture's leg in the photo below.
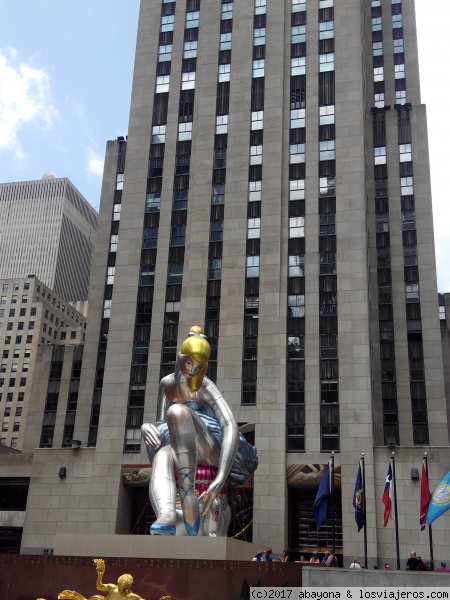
(163, 492)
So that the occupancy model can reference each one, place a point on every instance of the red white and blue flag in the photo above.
(388, 494)
(425, 498)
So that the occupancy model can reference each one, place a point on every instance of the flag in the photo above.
(358, 500)
(320, 508)
(388, 495)
(440, 500)
(424, 498)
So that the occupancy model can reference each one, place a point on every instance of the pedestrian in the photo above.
(331, 560)
(422, 565)
(355, 564)
(443, 568)
(387, 567)
(325, 557)
(258, 556)
(315, 558)
(413, 562)
(268, 555)
(286, 556)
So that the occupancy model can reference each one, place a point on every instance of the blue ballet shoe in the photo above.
(192, 529)
(162, 529)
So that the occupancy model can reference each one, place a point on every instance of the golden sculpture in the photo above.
(115, 592)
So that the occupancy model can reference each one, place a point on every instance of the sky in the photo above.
(65, 86)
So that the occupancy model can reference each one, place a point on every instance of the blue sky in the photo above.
(65, 86)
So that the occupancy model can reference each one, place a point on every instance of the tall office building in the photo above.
(49, 230)
(274, 188)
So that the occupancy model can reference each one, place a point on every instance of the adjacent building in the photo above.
(274, 188)
(47, 229)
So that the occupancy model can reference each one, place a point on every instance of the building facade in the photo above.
(274, 188)
(47, 229)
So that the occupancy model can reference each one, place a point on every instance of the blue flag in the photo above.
(358, 500)
(320, 508)
(440, 500)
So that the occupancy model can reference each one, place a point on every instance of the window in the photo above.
(225, 41)
(110, 275)
(175, 273)
(258, 68)
(107, 308)
(192, 19)
(227, 10)
(158, 134)
(398, 46)
(190, 49)
(257, 120)
(254, 191)
(113, 243)
(376, 24)
(178, 235)
(16, 426)
(33, 312)
(216, 231)
(378, 74)
(184, 131)
(188, 80)
(167, 23)
(119, 186)
(327, 186)
(147, 275)
(326, 30)
(408, 219)
(298, 65)
(400, 97)
(23, 312)
(256, 155)
(412, 292)
(296, 305)
(327, 263)
(162, 84)
(327, 150)
(116, 212)
(297, 152)
(296, 265)
(326, 62)
(259, 36)
(180, 200)
(165, 53)
(182, 164)
(150, 238)
(260, 7)
(153, 202)
(12, 382)
(252, 269)
(397, 21)
(296, 227)
(379, 154)
(2, 299)
(218, 194)
(298, 5)
(13, 299)
(298, 34)
(327, 224)
(399, 71)
(405, 152)
(18, 339)
(297, 118)
(297, 189)
(406, 186)
(214, 268)
(221, 124)
(377, 48)
(12, 312)
(63, 335)
(253, 228)
(25, 367)
(325, 3)
(224, 72)
(379, 100)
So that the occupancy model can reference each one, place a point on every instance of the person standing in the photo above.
(413, 562)
(268, 555)
(443, 568)
(355, 564)
(315, 558)
(331, 560)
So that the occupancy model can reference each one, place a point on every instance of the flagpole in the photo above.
(395, 512)
(430, 533)
(333, 522)
(364, 507)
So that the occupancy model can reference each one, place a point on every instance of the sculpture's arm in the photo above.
(149, 431)
(103, 587)
(230, 441)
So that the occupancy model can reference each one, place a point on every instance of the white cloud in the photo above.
(95, 163)
(25, 97)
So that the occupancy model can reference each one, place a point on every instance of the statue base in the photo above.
(154, 546)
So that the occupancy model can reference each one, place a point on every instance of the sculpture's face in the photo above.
(190, 367)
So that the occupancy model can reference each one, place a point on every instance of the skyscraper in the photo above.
(49, 230)
(274, 188)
